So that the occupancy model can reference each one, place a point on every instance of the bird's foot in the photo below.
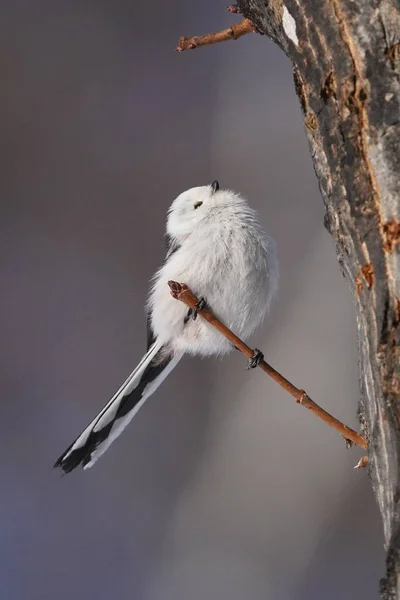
(255, 360)
(199, 306)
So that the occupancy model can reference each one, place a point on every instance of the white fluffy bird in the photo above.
(216, 246)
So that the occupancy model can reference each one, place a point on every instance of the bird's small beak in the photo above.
(215, 186)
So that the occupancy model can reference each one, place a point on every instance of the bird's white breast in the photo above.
(230, 262)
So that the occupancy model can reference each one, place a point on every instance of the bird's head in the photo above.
(197, 206)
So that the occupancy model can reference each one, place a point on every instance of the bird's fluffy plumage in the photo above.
(219, 249)
(224, 255)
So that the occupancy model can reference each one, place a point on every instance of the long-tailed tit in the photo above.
(216, 246)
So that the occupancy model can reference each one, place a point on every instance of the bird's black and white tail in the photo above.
(115, 416)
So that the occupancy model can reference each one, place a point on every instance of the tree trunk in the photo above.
(346, 60)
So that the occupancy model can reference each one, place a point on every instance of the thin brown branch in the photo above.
(233, 8)
(180, 291)
(232, 33)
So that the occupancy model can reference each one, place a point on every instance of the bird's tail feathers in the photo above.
(154, 367)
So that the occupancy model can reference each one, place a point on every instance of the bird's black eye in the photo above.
(215, 186)
(197, 204)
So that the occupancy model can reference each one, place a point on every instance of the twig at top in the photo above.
(180, 291)
(233, 8)
(232, 33)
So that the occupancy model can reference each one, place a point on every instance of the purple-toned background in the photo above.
(222, 487)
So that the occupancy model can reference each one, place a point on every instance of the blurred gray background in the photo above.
(222, 487)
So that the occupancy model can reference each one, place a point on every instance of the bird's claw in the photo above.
(199, 306)
(255, 360)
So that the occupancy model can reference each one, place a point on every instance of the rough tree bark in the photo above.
(346, 61)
